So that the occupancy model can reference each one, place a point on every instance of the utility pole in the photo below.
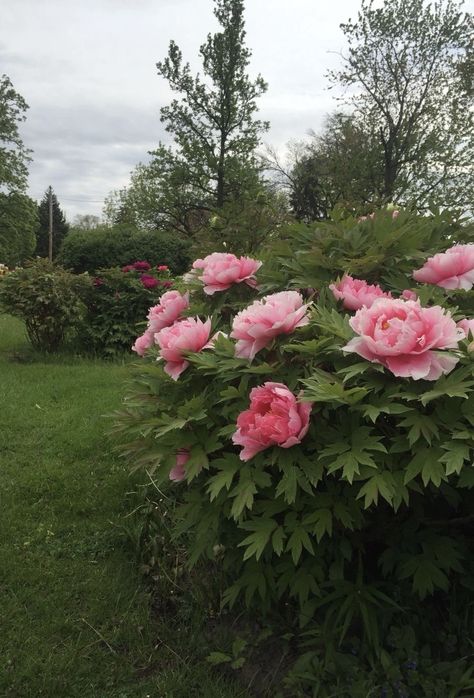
(50, 227)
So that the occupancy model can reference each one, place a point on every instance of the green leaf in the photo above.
(223, 478)
(381, 483)
(288, 484)
(257, 541)
(456, 454)
(425, 460)
(299, 539)
(244, 492)
(333, 392)
(278, 538)
(434, 472)
(453, 385)
(420, 425)
(216, 658)
(321, 523)
(172, 425)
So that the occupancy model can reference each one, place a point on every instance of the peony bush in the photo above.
(312, 411)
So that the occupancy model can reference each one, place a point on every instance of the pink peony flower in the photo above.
(356, 293)
(274, 418)
(403, 337)
(149, 282)
(168, 310)
(409, 295)
(128, 267)
(178, 471)
(98, 281)
(221, 270)
(256, 326)
(162, 267)
(144, 342)
(451, 269)
(186, 335)
(166, 284)
(141, 266)
(467, 326)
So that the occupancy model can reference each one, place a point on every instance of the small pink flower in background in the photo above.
(451, 269)
(98, 281)
(220, 270)
(149, 282)
(274, 418)
(355, 293)
(166, 284)
(186, 335)
(403, 337)
(141, 266)
(127, 268)
(395, 214)
(144, 342)
(409, 295)
(168, 310)
(256, 326)
(162, 267)
(178, 471)
(467, 326)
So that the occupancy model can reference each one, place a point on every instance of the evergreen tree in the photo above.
(60, 227)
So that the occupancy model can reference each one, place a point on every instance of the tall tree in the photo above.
(212, 121)
(14, 157)
(18, 222)
(341, 165)
(409, 76)
(60, 226)
(17, 211)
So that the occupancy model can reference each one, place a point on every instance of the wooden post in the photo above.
(50, 228)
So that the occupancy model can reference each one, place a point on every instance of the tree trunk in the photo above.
(220, 174)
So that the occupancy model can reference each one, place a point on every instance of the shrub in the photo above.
(104, 247)
(47, 298)
(117, 301)
(326, 455)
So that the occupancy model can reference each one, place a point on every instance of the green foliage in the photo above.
(14, 157)
(103, 247)
(60, 227)
(212, 160)
(242, 226)
(116, 304)
(368, 518)
(341, 165)
(78, 619)
(47, 298)
(406, 74)
(18, 221)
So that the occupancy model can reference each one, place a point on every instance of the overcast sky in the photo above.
(87, 69)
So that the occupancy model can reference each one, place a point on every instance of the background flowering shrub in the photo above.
(337, 482)
(49, 300)
(117, 302)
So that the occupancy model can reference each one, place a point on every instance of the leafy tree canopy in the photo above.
(14, 157)
(214, 130)
(408, 75)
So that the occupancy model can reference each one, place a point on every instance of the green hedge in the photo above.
(103, 247)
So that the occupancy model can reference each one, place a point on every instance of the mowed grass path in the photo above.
(74, 614)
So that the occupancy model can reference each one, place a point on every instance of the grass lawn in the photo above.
(75, 616)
